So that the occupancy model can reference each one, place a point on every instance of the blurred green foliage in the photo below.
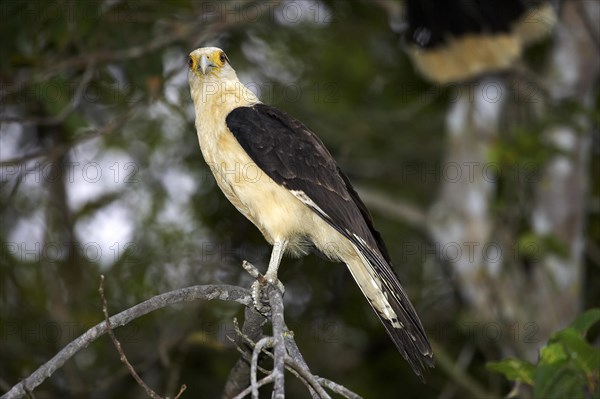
(568, 367)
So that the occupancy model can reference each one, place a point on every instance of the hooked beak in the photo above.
(205, 64)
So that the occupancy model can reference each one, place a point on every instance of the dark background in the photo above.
(101, 174)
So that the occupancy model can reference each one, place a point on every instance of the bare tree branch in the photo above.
(278, 323)
(267, 380)
(291, 357)
(122, 355)
(295, 365)
(264, 343)
(285, 355)
(182, 295)
(240, 373)
(337, 388)
(290, 343)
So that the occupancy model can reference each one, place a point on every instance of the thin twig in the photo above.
(264, 343)
(266, 380)
(182, 295)
(311, 379)
(240, 373)
(122, 355)
(337, 388)
(248, 358)
(181, 390)
(293, 366)
(298, 368)
(294, 353)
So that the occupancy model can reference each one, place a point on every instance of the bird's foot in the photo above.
(260, 298)
(260, 294)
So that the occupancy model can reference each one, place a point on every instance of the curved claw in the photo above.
(260, 299)
(260, 296)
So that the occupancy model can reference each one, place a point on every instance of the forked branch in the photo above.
(244, 379)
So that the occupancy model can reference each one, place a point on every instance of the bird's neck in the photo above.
(220, 96)
(213, 100)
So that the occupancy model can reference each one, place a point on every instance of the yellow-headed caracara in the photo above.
(456, 40)
(299, 198)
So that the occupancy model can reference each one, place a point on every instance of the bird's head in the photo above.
(209, 63)
(213, 80)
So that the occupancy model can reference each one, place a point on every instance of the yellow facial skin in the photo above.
(207, 61)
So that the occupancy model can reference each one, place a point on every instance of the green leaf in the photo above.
(558, 380)
(552, 353)
(514, 369)
(585, 356)
(568, 367)
(555, 376)
(586, 320)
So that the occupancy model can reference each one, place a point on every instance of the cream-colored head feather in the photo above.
(214, 83)
(210, 64)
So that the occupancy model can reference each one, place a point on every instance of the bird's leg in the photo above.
(276, 255)
(260, 297)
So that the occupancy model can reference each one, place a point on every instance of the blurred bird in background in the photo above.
(455, 40)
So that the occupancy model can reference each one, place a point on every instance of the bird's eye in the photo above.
(190, 62)
(223, 58)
